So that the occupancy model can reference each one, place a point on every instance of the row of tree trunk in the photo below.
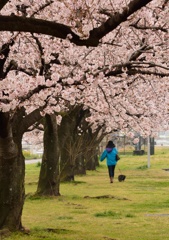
(66, 153)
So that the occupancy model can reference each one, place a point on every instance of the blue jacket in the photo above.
(110, 155)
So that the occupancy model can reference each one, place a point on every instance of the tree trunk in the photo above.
(80, 165)
(49, 180)
(12, 170)
(91, 154)
(68, 146)
(91, 160)
(12, 167)
(75, 148)
(66, 166)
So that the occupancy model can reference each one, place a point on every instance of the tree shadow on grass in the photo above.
(108, 197)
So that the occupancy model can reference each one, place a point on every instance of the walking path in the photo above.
(32, 161)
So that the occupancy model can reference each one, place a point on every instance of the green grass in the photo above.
(92, 208)
(28, 155)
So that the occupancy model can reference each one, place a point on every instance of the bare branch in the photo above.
(41, 54)
(146, 72)
(42, 8)
(104, 95)
(136, 71)
(138, 52)
(142, 27)
(148, 64)
(32, 118)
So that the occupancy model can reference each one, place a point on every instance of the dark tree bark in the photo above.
(65, 140)
(12, 167)
(69, 145)
(78, 150)
(49, 179)
(11, 176)
(92, 159)
(3, 3)
(92, 140)
(80, 165)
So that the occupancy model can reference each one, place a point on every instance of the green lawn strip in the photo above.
(92, 208)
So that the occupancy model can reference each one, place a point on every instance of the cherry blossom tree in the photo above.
(77, 68)
(77, 143)
(110, 57)
(87, 19)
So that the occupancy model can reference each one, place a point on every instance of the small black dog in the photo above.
(121, 178)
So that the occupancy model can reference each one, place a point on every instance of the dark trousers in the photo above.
(111, 170)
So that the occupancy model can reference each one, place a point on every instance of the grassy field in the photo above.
(91, 208)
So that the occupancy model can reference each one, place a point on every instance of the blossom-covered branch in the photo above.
(33, 25)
